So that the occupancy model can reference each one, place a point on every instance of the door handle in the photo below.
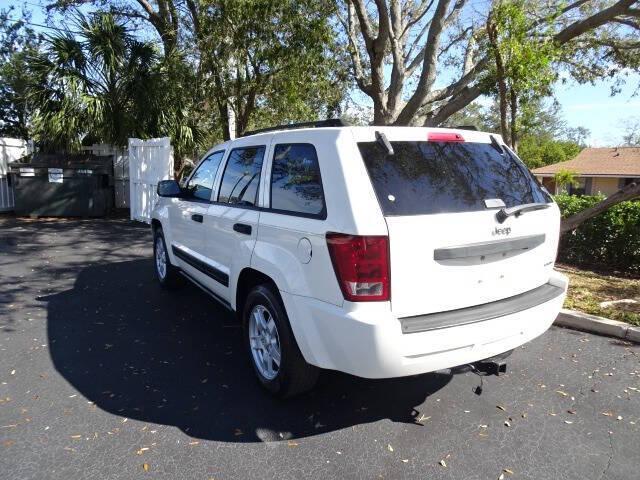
(197, 218)
(242, 228)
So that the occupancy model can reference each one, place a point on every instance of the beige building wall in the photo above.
(606, 186)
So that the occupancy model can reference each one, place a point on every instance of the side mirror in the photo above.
(169, 188)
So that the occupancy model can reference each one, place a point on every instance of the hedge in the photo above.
(610, 240)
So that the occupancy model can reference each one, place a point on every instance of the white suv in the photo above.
(376, 251)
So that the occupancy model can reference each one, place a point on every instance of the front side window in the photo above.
(242, 176)
(296, 185)
(423, 178)
(200, 184)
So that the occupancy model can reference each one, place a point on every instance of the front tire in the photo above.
(168, 275)
(273, 350)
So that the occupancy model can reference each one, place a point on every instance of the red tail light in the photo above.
(361, 264)
(445, 137)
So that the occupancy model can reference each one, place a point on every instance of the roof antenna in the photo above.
(382, 139)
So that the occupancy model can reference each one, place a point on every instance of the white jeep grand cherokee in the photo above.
(376, 251)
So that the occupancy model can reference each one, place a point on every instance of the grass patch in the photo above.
(588, 289)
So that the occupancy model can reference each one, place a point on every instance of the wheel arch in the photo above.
(155, 224)
(247, 280)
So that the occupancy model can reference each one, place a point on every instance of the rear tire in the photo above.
(272, 347)
(168, 275)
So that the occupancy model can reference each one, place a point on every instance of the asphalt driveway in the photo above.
(105, 375)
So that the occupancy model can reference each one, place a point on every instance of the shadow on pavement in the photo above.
(176, 358)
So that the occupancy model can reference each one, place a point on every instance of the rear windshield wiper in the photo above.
(518, 210)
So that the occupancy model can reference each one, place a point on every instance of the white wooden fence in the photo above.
(11, 149)
(149, 162)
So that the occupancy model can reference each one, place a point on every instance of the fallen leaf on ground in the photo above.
(507, 470)
(564, 394)
(500, 407)
(568, 422)
(194, 443)
(443, 463)
(389, 447)
(145, 467)
(76, 436)
(291, 443)
(507, 423)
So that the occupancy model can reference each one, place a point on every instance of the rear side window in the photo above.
(242, 176)
(296, 186)
(437, 177)
(200, 184)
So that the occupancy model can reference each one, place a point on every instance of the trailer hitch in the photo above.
(490, 366)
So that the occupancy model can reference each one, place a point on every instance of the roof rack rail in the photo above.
(467, 127)
(331, 122)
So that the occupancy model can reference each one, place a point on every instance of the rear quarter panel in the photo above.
(351, 208)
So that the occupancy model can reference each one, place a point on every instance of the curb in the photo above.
(600, 325)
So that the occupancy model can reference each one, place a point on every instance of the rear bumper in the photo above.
(367, 340)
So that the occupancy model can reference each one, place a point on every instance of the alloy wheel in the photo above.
(265, 342)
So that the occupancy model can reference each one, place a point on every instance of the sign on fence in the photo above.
(11, 149)
(149, 162)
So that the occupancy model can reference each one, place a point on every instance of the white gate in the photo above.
(120, 170)
(149, 162)
(11, 149)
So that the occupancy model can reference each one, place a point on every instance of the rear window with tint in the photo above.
(436, 177)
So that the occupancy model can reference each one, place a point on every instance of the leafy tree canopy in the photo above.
(17, 42)
(104, 85)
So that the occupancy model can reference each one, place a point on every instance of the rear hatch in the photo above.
(448, 249)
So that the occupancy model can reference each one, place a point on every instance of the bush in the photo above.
(610, 240)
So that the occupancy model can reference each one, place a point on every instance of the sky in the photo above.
(592, 106)
(589, 106)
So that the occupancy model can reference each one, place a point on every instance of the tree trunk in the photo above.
(627, 193)
(492, 33)
(514, 120)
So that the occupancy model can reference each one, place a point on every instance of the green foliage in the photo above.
(17, 43)
(272, 61)
(104, 85)
(527, 58)
(611, 239)
(538, 152)
(564, 178)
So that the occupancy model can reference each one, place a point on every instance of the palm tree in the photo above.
(102, 84)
